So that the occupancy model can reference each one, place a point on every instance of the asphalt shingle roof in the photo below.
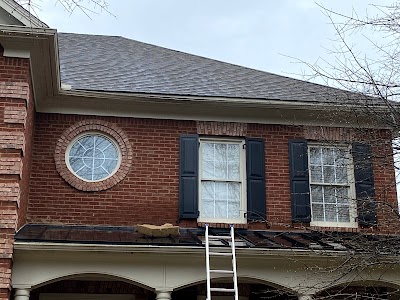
(117, 64)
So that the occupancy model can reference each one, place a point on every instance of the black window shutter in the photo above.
(299, 181)
(188, 176)
(255, 172)
(364, 182)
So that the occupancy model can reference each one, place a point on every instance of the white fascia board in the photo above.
(28, 32)
(250, 102)
(171, 250)
(21, 14)
(201, 109)
(178, 98)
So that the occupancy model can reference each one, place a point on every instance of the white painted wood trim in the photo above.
(19, 53)
(242, 180)
(70, 296)
(21, 14)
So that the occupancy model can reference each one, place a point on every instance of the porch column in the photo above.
(21, 294)
(163, 294)
(305, 297)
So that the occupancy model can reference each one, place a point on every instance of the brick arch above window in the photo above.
(102, 127)
(217, 128)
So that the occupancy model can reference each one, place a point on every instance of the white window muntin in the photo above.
(241, 180)
(91, 134)
(336, 185)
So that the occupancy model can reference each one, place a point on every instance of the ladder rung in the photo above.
(222, 271)
(219, 237)
(220, 253)
(223, 252)
(222, 290)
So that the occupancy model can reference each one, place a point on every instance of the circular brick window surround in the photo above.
(91, 128)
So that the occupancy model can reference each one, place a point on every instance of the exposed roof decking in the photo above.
(258, 239)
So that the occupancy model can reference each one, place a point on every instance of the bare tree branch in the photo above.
(88, 7)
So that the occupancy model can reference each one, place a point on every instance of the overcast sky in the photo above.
(261, 34)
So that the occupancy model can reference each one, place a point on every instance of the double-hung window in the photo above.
(332, 191)
(222, 180)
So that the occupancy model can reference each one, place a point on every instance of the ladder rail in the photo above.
(233, 257)
(208, 265)
(235, 283)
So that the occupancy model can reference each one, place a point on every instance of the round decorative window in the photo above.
(93, 157)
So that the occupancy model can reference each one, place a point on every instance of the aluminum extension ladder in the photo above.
(214, 252)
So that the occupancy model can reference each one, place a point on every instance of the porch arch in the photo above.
(242, 279)
(87, 286)
(92, 276)
(35, 269)
(361, 283)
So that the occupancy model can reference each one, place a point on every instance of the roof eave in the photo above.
(21, 14)
(295, 104)
(201, 108)
(40, 46)
(52, 97)
(149, 249)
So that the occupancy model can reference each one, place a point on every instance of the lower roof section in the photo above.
(194, 237)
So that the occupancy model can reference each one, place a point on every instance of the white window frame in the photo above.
(351, 184)
(242, 180)
(89, 133)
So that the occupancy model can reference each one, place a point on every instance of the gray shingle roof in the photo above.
(117, 64)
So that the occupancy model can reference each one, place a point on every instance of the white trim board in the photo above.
(21, 14)
(202, 297)
(70, 296)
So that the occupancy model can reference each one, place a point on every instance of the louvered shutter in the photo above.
(364, 182)
(299, 181)
(255, 172)
(188, 176)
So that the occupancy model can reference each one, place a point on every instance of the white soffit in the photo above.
(11, 13)
(7, 19)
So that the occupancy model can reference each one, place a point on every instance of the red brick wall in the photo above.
(385, 183)
(149, 192)
(16, 112)
(277, 170)
(26, 159)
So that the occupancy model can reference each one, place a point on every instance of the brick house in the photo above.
(100, 134)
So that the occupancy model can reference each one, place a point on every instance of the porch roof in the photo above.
(298, 240)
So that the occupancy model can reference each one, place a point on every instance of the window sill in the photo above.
(335, 224)
(237, 221)
(221, 225)
(334, 229)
